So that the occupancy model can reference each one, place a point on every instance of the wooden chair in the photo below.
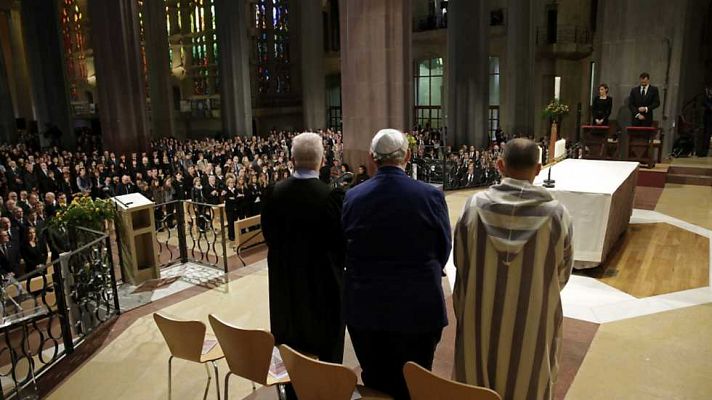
(424, 385)
(318, 380)
(248, 353)
(187, 340)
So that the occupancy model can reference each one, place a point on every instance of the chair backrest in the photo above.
(248, 352)
(317, 380)
(184, 338)
(424, 385)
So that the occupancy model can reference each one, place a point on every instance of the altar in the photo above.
(599, 196)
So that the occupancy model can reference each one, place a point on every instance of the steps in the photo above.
(700, 176)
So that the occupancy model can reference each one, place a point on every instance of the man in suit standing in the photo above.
(643, 100)
(301, 225)
(398, 241)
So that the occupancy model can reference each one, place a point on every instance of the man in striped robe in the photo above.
(513, 253)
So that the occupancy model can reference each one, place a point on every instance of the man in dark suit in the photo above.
(126, 186)
(642, 101)
(398, 241)
(301, 225)
(9, 255)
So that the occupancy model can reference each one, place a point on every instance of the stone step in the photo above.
(699, 180)
(682, 170)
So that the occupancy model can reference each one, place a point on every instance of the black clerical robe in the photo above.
(302, 228)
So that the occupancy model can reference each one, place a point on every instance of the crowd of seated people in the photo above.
(466, 166)
(35, 183)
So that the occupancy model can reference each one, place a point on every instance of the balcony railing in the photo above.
(567, 42)
(564, 34)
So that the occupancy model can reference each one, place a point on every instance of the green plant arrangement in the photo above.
(555, 110)
(412, 143)
(84, 212)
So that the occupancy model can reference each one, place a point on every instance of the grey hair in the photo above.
(307, 150)
(396, 157)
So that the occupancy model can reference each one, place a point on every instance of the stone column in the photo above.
(519, 69)
(119, 75)
(313, 79)
(468, 72)
(376, 71)
(22, 99)
(8, 130)
(234, 67)
(159, 88)
(50, 96)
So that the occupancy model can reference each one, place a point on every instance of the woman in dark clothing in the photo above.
(242, 204)
(232, 202)
(361, 176)
(33, 251)
(255, 194)
(196, 195)
(601, 106)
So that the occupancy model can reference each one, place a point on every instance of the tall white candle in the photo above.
(557, 87)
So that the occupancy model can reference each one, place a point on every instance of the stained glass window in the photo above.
(74, 42)
(272, 46)
(142, 41)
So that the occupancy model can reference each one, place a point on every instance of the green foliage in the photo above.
(84, 212)
(555, 110)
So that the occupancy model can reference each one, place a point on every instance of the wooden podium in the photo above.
(595, 138)
(640, 144)
(139, 261)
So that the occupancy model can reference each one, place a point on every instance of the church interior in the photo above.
(127, 127)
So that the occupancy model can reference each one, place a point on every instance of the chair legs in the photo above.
(217, 379)
(170, 359)
(207, 385)
(227, 381)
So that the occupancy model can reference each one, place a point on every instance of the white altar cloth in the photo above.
(599, 196)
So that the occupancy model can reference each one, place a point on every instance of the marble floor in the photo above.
(616, 345)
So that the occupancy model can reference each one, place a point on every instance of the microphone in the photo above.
(548, 182)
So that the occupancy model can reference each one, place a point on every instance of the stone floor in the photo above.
(616, 345)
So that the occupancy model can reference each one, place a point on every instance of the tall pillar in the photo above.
(468, 72)
(234, 67)
(119, 75)
(376, 77)
(519, 69)
(8, 130)
(313, 79)
(50, 97)
(159, 88)
(22, 98)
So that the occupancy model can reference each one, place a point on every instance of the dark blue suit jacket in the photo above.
(398, 241)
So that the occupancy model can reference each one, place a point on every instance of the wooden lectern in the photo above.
(640, 144)
(595, 138)
(138, 238)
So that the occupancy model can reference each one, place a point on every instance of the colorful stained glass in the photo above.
(272, 46)
(72, 29)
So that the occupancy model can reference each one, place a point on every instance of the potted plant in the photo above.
(81, 212)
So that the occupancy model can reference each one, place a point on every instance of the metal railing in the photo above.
(565, 34)
(47, 312)
(188, 231)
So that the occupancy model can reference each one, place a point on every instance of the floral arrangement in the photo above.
(84, 212)
(555, 109)
(412, 142)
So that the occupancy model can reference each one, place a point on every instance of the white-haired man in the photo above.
(398, 241)
(301, 224)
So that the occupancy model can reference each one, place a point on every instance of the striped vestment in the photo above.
(513, 253)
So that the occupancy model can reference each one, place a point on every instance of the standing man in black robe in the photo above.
(301, 225)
